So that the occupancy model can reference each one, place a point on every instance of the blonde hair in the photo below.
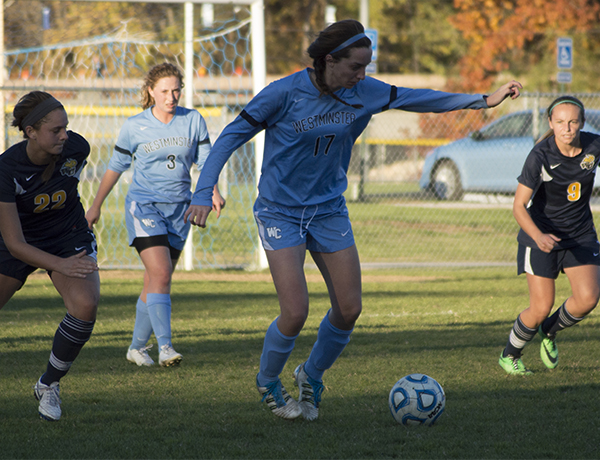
(166, 69)
(562, 100)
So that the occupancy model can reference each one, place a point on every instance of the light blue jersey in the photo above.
(309, 139)
(163, 155)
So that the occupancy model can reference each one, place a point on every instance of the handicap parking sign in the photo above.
(372, 34)
(564, 53)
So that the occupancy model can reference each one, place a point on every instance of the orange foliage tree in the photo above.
(505, 36)
(498, 31)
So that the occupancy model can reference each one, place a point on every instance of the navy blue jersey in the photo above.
(309, 137)
(562, 187)
(46, 210)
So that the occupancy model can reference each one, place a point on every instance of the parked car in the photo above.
(491, 159)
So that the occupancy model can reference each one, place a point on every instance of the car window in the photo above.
(517, 125)
(543, 125)
(592, 121)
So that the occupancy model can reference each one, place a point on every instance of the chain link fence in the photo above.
(424, 189)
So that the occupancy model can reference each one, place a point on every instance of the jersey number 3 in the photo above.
(171, 164)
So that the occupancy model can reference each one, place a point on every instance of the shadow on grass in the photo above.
(148, 417)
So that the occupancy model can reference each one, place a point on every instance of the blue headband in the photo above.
(348, 42)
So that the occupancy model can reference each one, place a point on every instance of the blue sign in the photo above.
(564, 77)
(45, 18)
(372, 34)
(564, 53)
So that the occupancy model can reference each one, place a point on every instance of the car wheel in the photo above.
(445, 182)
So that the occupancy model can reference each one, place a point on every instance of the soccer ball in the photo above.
(417, 399)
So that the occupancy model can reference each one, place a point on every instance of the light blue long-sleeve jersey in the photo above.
(309, 139)
(163, 155)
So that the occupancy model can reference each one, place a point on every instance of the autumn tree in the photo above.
(515, 36)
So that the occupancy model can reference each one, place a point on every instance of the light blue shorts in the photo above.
(323, 228)
(151, 219)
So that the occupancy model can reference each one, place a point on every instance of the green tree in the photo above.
(416, 36)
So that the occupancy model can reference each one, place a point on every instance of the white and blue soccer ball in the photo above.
(417, 399)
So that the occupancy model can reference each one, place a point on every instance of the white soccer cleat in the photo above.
(279, 401)
(140, 356)
(168, 356)
(309, 395)
(49, 398)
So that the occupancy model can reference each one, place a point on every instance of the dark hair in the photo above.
(327, 41)
(25, 105)
(166, 69)
(563, 100)
(23, 108)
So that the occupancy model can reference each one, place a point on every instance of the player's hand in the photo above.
(511, 89)
(92, 216)
(546, 242)
(77, 266)
(218, 202)
(197, 215)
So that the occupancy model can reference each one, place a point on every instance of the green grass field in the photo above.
(450, 324)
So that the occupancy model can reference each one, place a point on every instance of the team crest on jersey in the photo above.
(69, 167)
(588, 162)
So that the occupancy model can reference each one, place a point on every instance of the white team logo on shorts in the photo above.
(588, 162)
(69, 167)
(149, 223)
(274, 232)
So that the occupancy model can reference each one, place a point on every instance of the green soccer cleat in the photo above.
(548, 350)
(513, 365)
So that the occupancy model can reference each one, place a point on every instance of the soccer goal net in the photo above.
(98, 78)
(405, 210)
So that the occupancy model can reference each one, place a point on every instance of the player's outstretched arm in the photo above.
(107, 183)
(545, 241)
(197, 215)
(511, 89)
(77, 266)
(218, 201)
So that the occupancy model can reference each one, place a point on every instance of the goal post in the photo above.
(224, 66)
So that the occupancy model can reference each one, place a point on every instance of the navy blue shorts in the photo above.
(549, 265)
(67, 246)
(323, 228)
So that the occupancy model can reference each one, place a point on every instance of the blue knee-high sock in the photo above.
(70, 337)
(330, 343)
(159, 310)
(142, 330)
(276, 351)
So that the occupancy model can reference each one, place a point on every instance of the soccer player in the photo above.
(312, 119)
(163, 142)
(552, 207)
(42, 225)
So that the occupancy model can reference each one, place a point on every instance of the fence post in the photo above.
(536, 117)
(363, 165)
